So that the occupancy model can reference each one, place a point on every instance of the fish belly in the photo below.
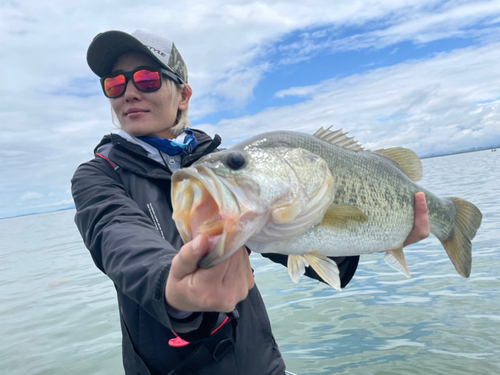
(376, 236)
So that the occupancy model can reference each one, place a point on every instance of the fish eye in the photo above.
(234, 160)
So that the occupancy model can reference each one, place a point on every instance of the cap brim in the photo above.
(107, 46)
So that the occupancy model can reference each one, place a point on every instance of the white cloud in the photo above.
(428, 105)
(419, 23)
(52, 111)
(31, 195)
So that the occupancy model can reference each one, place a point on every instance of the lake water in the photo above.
(59, 313)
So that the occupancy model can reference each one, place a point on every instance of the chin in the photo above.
(135, 131)
(148, 130)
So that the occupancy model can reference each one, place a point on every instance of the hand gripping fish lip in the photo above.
(204, 204)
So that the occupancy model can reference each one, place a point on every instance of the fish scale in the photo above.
(373, 192)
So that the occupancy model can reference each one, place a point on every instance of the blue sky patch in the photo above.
(325, 65)
(393, 117)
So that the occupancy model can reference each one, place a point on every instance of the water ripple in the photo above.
(60, 315)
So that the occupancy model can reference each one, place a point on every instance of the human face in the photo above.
(146, 113)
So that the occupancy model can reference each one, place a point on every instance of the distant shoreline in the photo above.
(421, 157)
(37, 213)
(459, 152)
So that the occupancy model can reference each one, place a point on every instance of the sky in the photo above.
(421, 74)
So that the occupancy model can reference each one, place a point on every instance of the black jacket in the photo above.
(124, 215)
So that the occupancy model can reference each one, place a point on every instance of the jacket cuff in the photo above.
(177, 314)
(205, 323)
(188, 324)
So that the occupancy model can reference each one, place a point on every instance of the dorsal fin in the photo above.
(338, 138)
(406, 159)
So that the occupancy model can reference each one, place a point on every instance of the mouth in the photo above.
(135, 111)
(203, 204)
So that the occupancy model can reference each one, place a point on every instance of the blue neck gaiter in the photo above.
(171, 147)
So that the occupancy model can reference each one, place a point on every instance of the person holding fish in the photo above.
(181, 311)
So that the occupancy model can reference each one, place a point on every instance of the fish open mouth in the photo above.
(202, 203)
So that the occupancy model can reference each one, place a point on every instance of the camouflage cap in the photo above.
(107, 46)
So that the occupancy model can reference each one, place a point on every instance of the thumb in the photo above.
(186, 261)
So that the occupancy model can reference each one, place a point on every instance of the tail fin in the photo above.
(458, 246)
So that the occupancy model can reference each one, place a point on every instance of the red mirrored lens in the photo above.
(114, 86)
(146, 80)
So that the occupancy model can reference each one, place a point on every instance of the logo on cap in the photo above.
(156, 50)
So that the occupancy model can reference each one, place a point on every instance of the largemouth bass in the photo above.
(311, 197)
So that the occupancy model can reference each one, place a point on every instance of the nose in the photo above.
(131, 92)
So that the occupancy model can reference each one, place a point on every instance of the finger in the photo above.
(248, 270)
(236, 282)
(229, 269)
(239, 272)
(421, 226)
(250, 276)
(186, 261)
(420, 204)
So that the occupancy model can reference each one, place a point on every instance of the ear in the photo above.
(185, 96)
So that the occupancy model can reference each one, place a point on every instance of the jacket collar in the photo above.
(134, 158)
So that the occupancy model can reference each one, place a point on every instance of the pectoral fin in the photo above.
(296, 266)
(325, 267)
(343, 216)
(396, 259)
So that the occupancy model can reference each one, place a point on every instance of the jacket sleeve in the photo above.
(123, 241)
(347, 267)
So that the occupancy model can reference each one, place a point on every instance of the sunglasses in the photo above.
(145, 79)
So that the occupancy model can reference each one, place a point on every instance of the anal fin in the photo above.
(296, 266)
(325, 267)
(396, 259)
